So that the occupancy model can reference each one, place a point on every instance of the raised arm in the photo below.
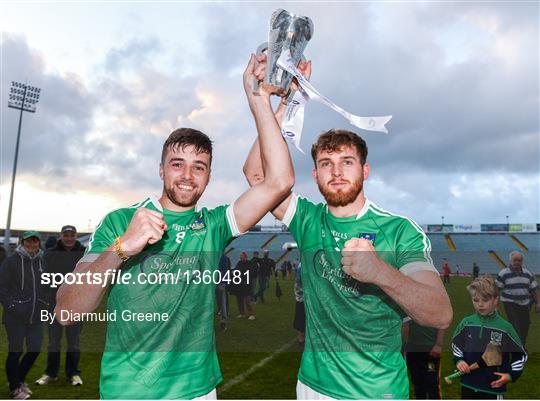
(270, 155)
(254, 166)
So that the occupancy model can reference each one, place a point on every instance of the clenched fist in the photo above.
(463, 366)
(146, 227)
(360, 260)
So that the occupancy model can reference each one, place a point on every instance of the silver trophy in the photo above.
(287, 31)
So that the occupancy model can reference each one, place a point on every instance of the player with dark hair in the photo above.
(363, 269)
(174, 358)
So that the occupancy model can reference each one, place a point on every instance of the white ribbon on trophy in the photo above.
(293, 120)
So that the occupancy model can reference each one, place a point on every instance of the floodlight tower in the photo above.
(22, 97)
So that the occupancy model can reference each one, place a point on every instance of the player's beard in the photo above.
(185, 201)
(341, 197)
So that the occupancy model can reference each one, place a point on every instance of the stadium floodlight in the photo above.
(22, 97)
(442, 220)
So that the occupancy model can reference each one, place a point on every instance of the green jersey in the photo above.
(353, 332)
(172, 358)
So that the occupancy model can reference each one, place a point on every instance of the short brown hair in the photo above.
(483, 286)
(334, 139)
(182, 137)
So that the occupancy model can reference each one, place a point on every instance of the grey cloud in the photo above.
(63, 112)
(56, 142)
(232, 34)
(467, 116)
(138, 52)
(473, 116)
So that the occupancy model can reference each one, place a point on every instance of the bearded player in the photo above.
(173, 358)
(363, 269)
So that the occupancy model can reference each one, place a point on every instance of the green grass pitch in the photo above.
(246, 343)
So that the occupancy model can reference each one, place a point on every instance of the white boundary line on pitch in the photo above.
(242, 376)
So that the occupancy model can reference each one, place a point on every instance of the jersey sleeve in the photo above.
(223, 224)
(103, 237)
(299, 212)
(413, 249)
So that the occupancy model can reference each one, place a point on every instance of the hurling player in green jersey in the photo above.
(173, 357)
(363, 270)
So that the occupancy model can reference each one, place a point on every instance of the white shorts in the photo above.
(304, 392)
(210, 396)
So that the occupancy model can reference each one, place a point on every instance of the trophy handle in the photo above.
(260, 50)
(291, 92)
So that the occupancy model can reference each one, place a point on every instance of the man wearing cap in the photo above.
(62, 258)
(23, 297)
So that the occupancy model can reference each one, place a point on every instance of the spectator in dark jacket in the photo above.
(23, 297)
(51, 242)
(475, 270)
(267, 266)
(242, 288)
(254, 270)
(63, 258)
(286, 269)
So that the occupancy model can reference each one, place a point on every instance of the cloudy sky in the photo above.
(460, 78)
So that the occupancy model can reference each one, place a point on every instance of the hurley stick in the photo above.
(492, 356)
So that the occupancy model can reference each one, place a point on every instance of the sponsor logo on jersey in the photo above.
(178, 227)
(340, 280)
(369, 236)
(339, 235)
(198, 224)
(167, 262)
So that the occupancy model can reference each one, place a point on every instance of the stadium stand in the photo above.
(530, 240)
(469, 248)
(483, 242)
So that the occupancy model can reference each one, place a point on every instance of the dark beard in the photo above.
(341, 198)
(172, 197)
